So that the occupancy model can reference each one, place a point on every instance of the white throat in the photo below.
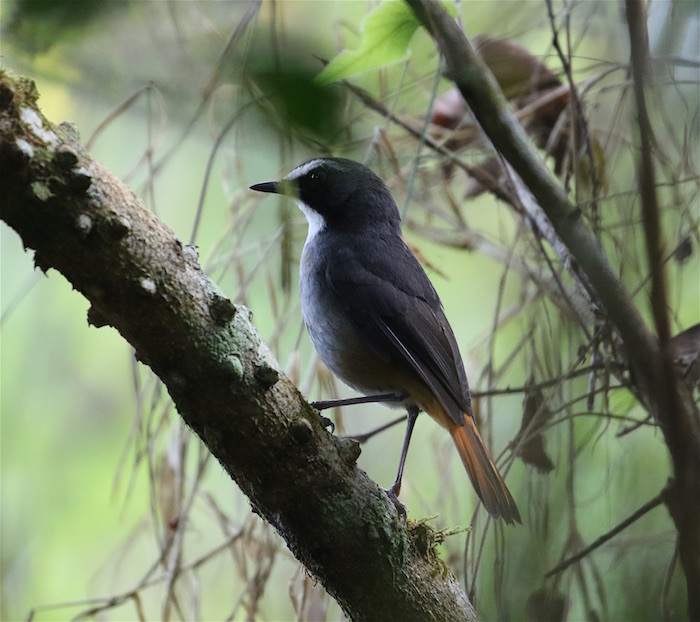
(316, 222)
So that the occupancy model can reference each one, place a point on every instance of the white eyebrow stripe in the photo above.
(303, 169)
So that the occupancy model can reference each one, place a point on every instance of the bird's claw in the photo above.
(400, 507)
(327, 423)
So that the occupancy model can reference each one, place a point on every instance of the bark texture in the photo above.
(139, 278)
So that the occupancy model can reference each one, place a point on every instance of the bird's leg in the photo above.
(351, 401)
(362, 399)
(395, 489)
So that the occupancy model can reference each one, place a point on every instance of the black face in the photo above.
(346, 193)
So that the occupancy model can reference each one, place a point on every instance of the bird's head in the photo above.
(338, 194)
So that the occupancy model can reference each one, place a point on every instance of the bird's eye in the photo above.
(313, 176)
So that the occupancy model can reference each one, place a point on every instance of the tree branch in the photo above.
(670, 402)
(679, 427)
(490, 108)
(140, 279)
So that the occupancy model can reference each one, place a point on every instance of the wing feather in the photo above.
(392, 304)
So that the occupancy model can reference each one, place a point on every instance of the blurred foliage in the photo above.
(36, 25)
(194, 101)
(295, 103)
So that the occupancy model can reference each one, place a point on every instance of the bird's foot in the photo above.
(327, 423)
(393, 494)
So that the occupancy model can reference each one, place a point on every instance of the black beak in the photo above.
(266, 186)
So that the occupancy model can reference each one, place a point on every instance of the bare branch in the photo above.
(489, 106)
(647, 507)
(679, 426)
(650, 362)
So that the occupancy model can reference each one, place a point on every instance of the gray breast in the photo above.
(331, 332)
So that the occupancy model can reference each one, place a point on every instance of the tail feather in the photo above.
(486, 479)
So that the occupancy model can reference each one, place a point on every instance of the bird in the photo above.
(375, 318)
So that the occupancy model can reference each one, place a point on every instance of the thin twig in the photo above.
(363, 438)
(578, 117)
(483, 177)
(647, 507)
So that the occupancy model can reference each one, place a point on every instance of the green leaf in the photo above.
(386, 33)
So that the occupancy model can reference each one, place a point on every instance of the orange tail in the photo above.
(487, 481)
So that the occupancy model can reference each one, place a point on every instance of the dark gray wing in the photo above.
(395, 309)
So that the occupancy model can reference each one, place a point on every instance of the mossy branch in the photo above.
(139, 278)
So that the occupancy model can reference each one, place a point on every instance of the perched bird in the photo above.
(375, 318)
